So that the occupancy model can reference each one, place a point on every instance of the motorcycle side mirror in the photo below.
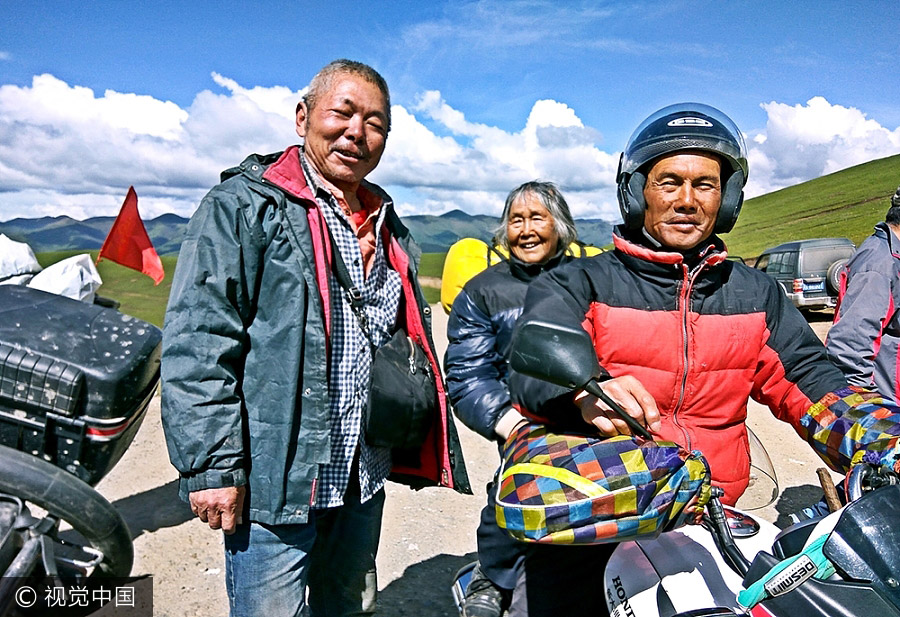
(557, 354)
(565, 357)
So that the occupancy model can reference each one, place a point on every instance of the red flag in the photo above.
(128, 244)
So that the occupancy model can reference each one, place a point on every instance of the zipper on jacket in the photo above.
(685, 303)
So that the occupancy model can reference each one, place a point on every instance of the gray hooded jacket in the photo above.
(863, 342)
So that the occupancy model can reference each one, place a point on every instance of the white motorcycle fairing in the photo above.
(679, 571)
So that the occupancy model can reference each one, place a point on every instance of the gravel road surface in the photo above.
(427, 535)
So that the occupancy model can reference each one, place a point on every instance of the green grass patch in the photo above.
(432, 264)
(136, 293)
(432, 294)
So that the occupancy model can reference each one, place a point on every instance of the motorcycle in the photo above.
(710, 569)
(76, 380)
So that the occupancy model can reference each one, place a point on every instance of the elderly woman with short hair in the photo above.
(535, 228)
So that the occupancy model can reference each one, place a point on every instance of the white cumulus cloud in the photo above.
(472, 166)
(801, 142)
(64, 149)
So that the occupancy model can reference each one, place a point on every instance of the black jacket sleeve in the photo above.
(562, 296)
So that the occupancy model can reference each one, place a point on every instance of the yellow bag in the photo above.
(465, 259)
(469, 256)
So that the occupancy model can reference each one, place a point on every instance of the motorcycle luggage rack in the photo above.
(85, 447)
(76, 379)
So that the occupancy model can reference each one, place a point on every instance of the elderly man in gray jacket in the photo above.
(864, 341)
(266, 367)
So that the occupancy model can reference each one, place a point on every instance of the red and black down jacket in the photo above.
(701, 333)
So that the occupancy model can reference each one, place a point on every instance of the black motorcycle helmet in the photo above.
(684, 126)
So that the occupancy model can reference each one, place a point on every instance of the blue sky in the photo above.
(97, 96)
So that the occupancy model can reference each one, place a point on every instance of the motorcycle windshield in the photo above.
(763, 488)
(865, 543)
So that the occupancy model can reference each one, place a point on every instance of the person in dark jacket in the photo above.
(864, 341)
(684, 336)
(265, 365)
(535, 228)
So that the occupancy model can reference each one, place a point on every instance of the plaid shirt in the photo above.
(351, 357)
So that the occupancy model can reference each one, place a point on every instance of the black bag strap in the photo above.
(354, 295)
(492, 250)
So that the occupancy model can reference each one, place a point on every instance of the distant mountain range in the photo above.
(434, 234)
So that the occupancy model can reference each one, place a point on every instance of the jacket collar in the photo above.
(884, 230)
(287, 174)
(285, 170)
(636, 245)
(705, 265)
(529, 271)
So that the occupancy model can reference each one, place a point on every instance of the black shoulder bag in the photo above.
(402, 393)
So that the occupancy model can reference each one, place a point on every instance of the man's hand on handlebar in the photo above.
(631, 395)
(220, 507)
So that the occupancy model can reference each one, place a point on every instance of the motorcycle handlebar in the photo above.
(592, 387)
(865, 477)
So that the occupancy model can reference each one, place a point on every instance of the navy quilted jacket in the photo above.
(479, 332)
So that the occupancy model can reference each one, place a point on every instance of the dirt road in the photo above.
(427, 535)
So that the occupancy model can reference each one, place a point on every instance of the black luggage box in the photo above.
(75, 379)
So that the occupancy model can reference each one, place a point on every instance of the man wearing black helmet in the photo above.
(685, 336)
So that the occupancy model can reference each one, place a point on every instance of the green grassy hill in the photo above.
(847, 203)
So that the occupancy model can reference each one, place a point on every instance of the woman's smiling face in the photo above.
(531, 230)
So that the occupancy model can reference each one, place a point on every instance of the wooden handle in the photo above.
(831, 497)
